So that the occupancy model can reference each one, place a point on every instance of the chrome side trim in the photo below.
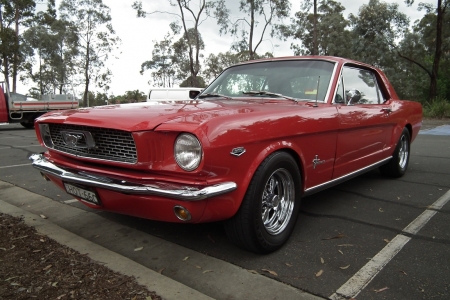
(339, 180)
(172, 191)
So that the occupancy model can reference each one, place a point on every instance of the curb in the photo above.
(161, 285)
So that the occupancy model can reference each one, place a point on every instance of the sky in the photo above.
(139, 34)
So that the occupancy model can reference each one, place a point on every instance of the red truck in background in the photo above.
(18, 108)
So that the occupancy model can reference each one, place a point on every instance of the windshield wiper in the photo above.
(269, 94)
(213, 95)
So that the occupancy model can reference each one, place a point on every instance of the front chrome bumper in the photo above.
(172, 191)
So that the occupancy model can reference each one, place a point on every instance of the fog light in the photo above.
(182, 213)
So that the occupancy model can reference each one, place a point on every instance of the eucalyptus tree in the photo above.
(13, 15)
(161, 63)
(440, 15)
(96, 40)
(52, 46)
(187, 12)
(215, 64)
(331, 35)
(376, 29)
(181, 59)
(244, 27)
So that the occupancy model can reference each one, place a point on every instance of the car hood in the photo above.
(149, 115)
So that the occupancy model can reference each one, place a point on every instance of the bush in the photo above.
(440, 108)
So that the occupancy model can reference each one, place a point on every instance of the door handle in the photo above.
(387, 110)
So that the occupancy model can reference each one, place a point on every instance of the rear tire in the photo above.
(270, 207)
(397, 166)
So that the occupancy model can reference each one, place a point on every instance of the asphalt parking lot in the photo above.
(354, 238)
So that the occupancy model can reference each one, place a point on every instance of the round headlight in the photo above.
(188, 151)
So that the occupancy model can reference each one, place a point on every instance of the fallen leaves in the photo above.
(322, 260)
(270, 272)
(381, 290)
(339, 236)
(43, 217)
(318, 274)
(344, 268)
(47, 267)
(139, 249)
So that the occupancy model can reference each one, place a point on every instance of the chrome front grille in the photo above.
(110, 144)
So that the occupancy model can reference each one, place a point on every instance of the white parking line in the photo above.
(366, 274)
(13, 166)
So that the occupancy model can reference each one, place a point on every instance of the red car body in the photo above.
(329, 142)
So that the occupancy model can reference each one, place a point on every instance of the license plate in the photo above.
(82, 193)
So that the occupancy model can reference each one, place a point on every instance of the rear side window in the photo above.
(360, 86)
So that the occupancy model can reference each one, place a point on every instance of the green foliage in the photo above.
(440, 108)
(245, 26)
(97, 39)
(161, 62)
(14, 13)
(52, 44)
(332, 30)
(128, 97)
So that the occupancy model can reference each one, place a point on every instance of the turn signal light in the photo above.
(182, 213)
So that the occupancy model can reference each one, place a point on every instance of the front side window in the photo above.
(360, 86)
(299, 79)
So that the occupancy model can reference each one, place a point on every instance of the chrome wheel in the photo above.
(403, 152)
(396, 167)
(278, 201)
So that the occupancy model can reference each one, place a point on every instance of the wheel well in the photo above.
(409, 127)
(298, 161)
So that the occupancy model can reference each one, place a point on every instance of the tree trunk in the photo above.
(16, 52)
(315, 29)
(437, 53)
(252, 25)
(86, 77)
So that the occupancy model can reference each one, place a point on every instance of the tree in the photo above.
(54, 43)
(441, 12)
(13, 13)
(376, 30)
(328, 38)
(190, 35)
(215, 64)
(245, 27)
(161, 63)
(96, 39)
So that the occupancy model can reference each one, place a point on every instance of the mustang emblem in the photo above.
(316, 161)
(78, 139)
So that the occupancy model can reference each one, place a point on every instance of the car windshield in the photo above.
(289, 79)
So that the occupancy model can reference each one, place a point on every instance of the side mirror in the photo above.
(353, 96)
(193, 94)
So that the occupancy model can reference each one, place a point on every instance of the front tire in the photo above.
(397, 166)
(270, 207)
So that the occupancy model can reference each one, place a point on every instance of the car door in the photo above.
(364, 121)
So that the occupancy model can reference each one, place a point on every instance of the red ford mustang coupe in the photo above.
(263, 135)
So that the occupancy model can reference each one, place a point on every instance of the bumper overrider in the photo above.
(171, 191)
